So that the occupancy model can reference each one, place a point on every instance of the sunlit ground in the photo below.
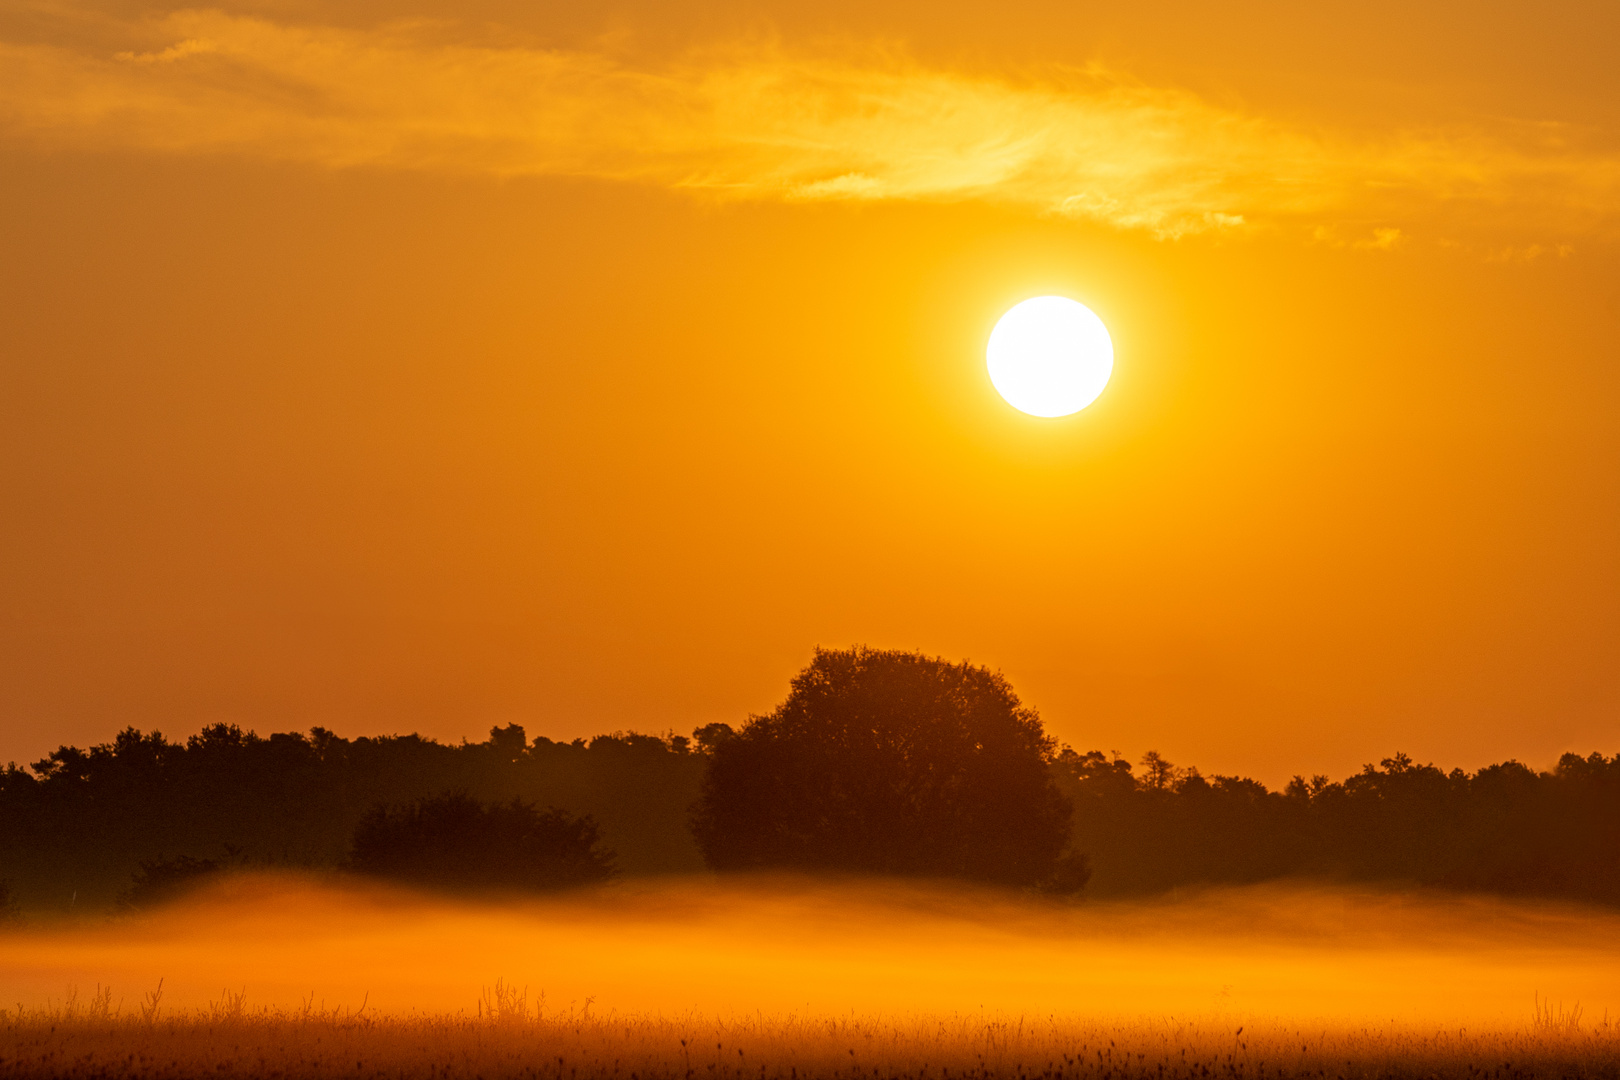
(300, 977)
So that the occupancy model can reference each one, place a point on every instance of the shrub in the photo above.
(457, 843)
(164, 880)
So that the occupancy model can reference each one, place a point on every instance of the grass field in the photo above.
(504, 1036)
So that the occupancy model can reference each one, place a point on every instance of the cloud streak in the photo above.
(766, 123)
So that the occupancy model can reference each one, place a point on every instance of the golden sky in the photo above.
(400, 365)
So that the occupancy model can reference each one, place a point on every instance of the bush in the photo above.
(164, 880)
(454, 842)
(891, 763)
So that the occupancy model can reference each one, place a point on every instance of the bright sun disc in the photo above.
(1050, 356)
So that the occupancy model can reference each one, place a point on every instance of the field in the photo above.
(510, 1040)
(280, 977)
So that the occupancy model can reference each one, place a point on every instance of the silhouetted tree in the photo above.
(893, 763)
(710, 736)
(508, 743)
(1157, 772)
(455, 842)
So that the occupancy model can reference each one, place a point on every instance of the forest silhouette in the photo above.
(877, 762)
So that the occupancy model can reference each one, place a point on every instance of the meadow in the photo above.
(505, 1035)
(697, 979)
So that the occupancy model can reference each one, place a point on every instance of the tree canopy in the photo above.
(889, 762)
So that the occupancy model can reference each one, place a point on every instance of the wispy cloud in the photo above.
(769, 123)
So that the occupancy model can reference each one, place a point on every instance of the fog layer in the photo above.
(779, 947)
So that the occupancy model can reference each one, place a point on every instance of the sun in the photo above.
(1050, 356)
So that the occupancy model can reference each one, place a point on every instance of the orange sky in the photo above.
(412, 366)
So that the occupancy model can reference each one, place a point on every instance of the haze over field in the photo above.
(1335, 958)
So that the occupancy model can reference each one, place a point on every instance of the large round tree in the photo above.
(890, 763)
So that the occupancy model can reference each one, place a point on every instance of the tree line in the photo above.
(82, 827)
(877, 762)
(1507, 828)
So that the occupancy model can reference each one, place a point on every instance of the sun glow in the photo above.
(1050, 356)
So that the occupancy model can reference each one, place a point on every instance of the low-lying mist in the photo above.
(796, 946)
